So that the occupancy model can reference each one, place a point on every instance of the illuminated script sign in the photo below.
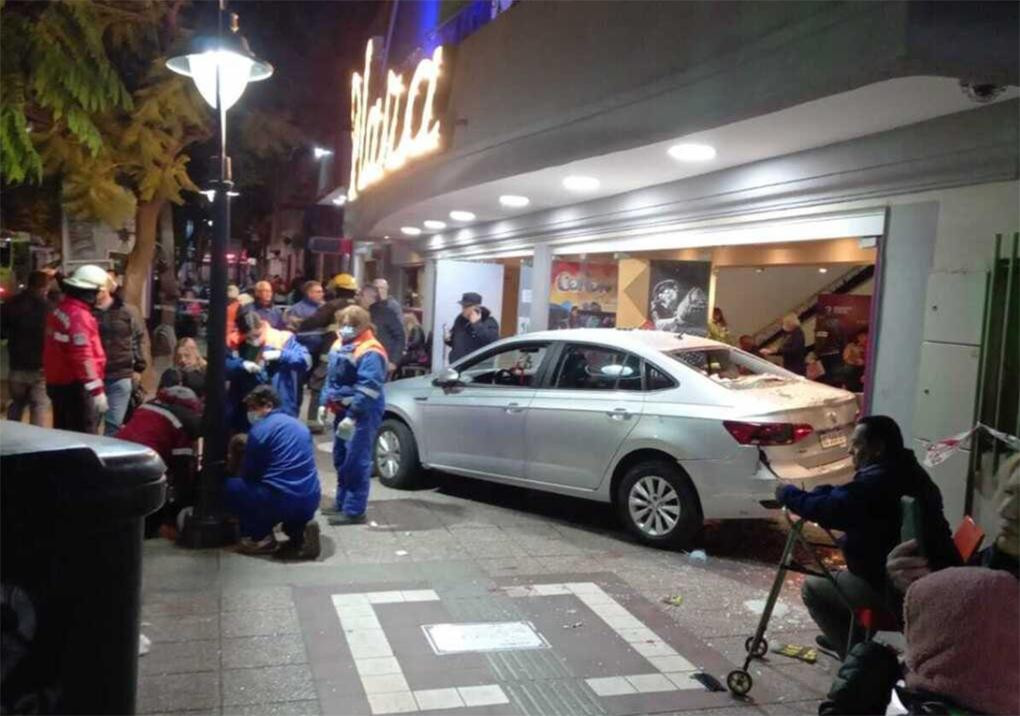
(398, 126)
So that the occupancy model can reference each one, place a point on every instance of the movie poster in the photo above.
(582, 295)
(678, 296)
(840, 317)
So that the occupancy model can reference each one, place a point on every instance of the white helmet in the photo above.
(89, 277)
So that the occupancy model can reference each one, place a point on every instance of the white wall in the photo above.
(453, 279)
(751, 300)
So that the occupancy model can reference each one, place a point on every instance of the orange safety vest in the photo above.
(363, 344)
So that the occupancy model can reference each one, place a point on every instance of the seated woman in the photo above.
(188, 368)
(278, 482)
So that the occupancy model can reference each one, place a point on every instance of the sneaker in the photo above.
(345, 519)
(266, 545)
(330, 511)
(312, 546)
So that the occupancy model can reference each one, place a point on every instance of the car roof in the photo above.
(631, 339)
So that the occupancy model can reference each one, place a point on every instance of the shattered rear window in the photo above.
(732, 368)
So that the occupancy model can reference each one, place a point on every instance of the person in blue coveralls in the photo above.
(353, 393)
(278, 482)
(266, 355)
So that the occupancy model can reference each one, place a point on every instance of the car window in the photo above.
(584, 367)
(732, 368)
(515, 366)
(655, 379)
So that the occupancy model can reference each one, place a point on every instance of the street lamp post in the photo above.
(221, 67)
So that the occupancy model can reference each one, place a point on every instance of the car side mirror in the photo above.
(446, 378)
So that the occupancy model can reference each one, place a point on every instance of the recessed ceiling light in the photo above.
(340, 200)
(823, 270)
(514, 201)
(759, 270)
(576, 182)
(433, 224)
(410, 230)
(688, 152)
(462, 216)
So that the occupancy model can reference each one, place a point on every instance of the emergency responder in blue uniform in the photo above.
(278, 481)
(354, 394)
(266, 355)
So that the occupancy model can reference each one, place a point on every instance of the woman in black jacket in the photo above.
(122, 332)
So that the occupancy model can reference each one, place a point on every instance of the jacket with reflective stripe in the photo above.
(357, 371)
(72, 349)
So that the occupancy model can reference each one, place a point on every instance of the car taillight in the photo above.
(767, 433)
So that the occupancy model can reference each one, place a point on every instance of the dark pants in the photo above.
(72, 408)
(831, 613)
(259, 508)
(28, 390)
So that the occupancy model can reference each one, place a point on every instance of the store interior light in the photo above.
(690, 152)
(462, 215)
(410, 230)
(340, 200)
(514, 201)
(434, 224)
(759, 270)
(321, 152)
(822, 269)
(579, 183)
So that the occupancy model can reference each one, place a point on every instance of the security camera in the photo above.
(981, 92)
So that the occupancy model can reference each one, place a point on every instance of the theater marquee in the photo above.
(400, 125)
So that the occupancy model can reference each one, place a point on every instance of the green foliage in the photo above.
(55, 65)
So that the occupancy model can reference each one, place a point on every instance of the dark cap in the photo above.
(471, 299)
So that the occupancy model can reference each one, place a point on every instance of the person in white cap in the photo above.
(73, 358)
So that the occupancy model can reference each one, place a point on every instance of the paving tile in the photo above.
(275, 650)
(377, 666)
(384, 683)
(611, 686)
(175, 657)
(179, 692)
(384, 597)
(359, 623)
(286, 708)
(392, 703)
(257, 599)
(649, 683)
(260, 623)
(174, 603)
(432, 699)
(182, 628)
(267, 685)
(488, 695)
(671, 663)
(420, 595)
(684, 680)
(656, 647)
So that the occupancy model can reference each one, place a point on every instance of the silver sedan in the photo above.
(670, 429)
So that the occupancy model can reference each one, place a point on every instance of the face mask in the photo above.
(347, 333)
(254, 417)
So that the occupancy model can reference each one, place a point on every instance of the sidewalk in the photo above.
(386, 621)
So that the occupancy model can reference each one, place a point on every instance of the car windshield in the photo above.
(731, 368)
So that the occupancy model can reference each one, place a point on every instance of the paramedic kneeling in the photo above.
(867, 511)
(278, 481)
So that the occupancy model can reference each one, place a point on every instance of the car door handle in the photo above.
(421, 399)
(513, 408)
(618, 413)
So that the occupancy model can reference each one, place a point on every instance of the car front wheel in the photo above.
(659, 505)
(396, 456)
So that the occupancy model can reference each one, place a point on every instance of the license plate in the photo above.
(832, 440)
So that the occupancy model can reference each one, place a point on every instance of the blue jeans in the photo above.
(353, 462)
(118, 393)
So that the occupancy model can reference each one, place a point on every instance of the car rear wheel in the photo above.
(396, 456)
(659, 505)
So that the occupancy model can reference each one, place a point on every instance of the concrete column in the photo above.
(905, 263)
(541, 273)
(428, 293)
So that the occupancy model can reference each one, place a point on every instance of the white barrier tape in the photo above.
(940, 450)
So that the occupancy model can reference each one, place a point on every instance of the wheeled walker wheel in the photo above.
(760, 650)
(739, 682)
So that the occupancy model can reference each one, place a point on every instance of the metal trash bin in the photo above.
(73, 508)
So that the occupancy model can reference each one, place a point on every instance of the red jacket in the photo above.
(169, 425)
(72, 349)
